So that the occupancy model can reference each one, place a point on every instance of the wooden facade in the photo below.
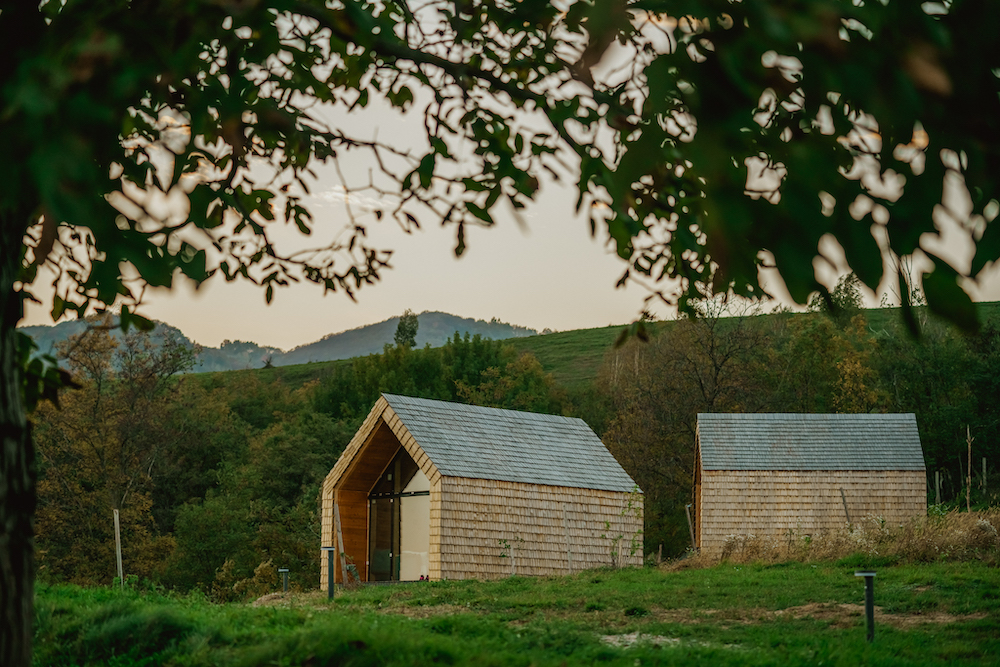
(777, 476)
(480, 526)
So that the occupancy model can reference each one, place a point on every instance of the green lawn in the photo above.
(573, 357)
(787, 614)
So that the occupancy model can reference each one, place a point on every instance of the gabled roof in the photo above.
(809, 442)
(509, 445)
(456, 440)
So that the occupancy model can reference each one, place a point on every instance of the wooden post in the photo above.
(937, 487)
(843, 499)
(340, 544)
(659, 554)
(569, 550)
(982, 482)
(968, 486)
(687, 510)
(961, 476)
(118, 550)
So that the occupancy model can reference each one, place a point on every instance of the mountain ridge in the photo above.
(435, 327)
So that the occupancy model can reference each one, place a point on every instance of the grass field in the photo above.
(781, 614)
(572, 357)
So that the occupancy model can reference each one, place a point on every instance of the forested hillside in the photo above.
(218, 474)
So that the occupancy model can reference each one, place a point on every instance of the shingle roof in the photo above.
(809, 442)
(507, 445)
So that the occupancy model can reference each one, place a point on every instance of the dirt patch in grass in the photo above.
(633, 638)
(426, 611)
(845, 615)
(273, 600)
(294, 600)
(838, 615)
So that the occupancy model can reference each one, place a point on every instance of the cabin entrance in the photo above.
(399, 520)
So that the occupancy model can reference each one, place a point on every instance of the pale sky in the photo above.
(548, 274)
(551, 275)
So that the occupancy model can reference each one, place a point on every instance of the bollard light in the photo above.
(869, 576)
(284, 578)
(330, 551)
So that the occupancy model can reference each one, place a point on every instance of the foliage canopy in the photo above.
(711, 138)
(161, 137)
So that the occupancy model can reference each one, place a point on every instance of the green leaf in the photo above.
(479, 212)
(426, 170)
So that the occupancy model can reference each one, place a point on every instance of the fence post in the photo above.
(118, 550)
(843, 499)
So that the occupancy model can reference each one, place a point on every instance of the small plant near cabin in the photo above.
(504, 548)
(353, 579)
(511, 549)
(621, 554)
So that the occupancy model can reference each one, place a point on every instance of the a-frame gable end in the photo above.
(350, 454)
(410, 444)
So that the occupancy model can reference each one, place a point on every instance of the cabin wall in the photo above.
(326, 533)
(486, 529)
(770, 503)
(354, 525)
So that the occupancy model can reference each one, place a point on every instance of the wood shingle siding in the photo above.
(781, 475)
(479, 516)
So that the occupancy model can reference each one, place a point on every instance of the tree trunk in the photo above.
(17, 471)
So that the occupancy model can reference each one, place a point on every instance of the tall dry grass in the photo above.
(941, 535)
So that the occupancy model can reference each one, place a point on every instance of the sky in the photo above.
(547, 273)
(550, 274)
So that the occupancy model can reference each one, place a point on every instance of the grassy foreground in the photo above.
(787, 614)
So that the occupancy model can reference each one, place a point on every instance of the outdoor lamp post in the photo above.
(869, 576)
(284, 578)
(330, 552)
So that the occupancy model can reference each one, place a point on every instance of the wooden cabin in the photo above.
(783, 475)
(449, 491)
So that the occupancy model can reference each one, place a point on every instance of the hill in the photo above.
(435, 329)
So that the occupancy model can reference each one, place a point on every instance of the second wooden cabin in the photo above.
(787, 475)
